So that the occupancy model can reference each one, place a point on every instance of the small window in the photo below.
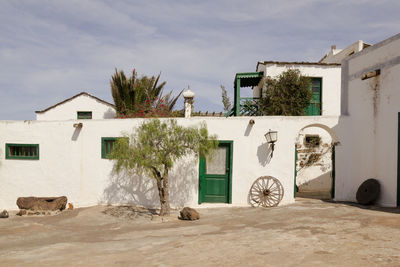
(107, 145)
(22, 151)
(84, 115)
(312, 140)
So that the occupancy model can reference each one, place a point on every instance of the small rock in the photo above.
(21, 212)
(4, 214)
(189, 214)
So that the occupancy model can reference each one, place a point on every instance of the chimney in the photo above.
(188, 95)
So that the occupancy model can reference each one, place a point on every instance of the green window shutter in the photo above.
(22, 151)
(107, 145)
(315, 106)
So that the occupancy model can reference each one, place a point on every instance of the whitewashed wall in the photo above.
(330, 82)
(70, 161)
(69, 109)
(370, 129)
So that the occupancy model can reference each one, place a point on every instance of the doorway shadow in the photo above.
(395, 210)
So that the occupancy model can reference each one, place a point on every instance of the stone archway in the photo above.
(314, 166)
(335, 139)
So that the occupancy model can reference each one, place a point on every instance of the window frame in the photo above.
(84, 113)
(103, 145)
(9, 156)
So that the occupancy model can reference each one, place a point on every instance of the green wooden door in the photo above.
(314, 108)
(215, 175)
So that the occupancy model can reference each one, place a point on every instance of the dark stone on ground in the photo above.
(42, 203)
(21, 212)
(368, 192)
(189, 214)
(4, 214)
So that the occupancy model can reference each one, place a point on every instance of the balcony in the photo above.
(245, 106)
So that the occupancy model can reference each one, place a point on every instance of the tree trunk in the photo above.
(163, 192)
(164, 201)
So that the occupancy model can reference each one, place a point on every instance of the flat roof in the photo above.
(297, 63)
(248, 79)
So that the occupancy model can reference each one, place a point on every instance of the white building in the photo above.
(355, 137)
(325, 83)
(80, 106)
(314, 146)
(369, 125)
(337, 55)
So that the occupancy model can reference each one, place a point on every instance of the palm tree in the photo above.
(130, 94)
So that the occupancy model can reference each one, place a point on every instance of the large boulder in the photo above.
(42, 203)
(189, 214)
(4, 214)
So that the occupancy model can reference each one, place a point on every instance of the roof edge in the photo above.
(374, 46)
(298, 63)
(69, 99)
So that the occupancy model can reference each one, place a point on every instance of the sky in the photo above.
(52, 50)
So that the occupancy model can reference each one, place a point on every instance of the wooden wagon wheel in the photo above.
(266, 191)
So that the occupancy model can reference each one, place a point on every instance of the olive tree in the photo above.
(155, 146)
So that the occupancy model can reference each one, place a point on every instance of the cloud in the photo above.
(55, 49)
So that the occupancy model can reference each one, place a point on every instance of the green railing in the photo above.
(248, 107)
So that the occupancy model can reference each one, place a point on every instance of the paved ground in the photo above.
(307, 233)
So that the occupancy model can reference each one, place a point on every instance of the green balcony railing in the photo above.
(248, 107)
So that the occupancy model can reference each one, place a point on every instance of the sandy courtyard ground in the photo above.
(307, 233)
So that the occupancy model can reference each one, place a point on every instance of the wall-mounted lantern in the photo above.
(272, 137)
(78, 125)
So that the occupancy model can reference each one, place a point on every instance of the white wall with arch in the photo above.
(70, 160)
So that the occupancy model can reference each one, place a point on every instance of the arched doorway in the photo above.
(315, 162)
